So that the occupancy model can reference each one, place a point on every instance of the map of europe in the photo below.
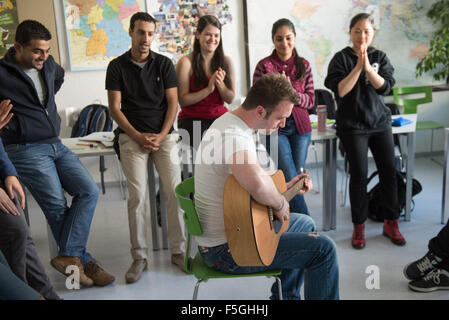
(97, 30)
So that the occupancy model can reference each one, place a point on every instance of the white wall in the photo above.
(83, 87)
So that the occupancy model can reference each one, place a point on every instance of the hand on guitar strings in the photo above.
(308, 185)
(282, 213)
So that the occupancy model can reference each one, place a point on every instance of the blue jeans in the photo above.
(302, 254)
(47, 169)
(292, 156)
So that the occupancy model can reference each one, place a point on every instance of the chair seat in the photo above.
(202, 271)
(428, 125)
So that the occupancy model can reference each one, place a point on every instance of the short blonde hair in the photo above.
(269, 91)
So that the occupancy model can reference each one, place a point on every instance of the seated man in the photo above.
(13, 288)
(30, 78)
(16, 242)
(431, 272)
(268, 104)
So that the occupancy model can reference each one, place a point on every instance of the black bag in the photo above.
(93, 118)
(325, 97)
(376, 201)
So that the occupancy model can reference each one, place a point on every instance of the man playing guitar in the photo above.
(229, 148)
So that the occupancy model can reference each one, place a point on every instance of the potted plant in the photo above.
(438, 56)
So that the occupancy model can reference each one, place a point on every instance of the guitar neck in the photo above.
(293, 191)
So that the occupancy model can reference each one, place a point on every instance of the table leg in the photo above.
(153, 204)
(410, 170)
(329, 184)
(164, 226)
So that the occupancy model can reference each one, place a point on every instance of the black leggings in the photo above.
(382, 147)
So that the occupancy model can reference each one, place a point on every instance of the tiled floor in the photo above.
(109, 243)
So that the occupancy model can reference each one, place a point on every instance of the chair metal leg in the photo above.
(279, 282)
(195, 292)
(431, 150)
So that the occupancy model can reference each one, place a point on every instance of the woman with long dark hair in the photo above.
(360, 75)
(206, 80)
(294, 138)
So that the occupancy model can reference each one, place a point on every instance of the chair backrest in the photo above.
(411, 104)
(323, 96)
(183, 192)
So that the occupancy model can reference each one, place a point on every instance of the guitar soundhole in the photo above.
(277, 225)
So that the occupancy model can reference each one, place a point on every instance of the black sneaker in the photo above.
(436, 280)
(421, 267)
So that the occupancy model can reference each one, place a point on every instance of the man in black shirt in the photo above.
(143, 99)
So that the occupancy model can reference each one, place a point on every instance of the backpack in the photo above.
(93, 118)
(323, 96)
(376, 202)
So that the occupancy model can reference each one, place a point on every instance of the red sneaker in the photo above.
(391, 230)
(358, 236)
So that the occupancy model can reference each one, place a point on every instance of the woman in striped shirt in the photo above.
(294, 138)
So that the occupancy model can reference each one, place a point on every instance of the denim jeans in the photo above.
(302, 254)
(292, 156)
(47, 169)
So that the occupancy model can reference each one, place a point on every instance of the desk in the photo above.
(329, 139)
(84, 151)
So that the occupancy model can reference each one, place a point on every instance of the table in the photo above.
(85, 151)
(329, 140)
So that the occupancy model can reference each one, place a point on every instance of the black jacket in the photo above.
(363, 109)
(32, 122)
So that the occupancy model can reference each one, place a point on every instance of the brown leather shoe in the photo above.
(135, 271)
(100, 277)
(61, 263)
(178, 260)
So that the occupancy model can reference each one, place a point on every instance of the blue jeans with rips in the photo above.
(303, 255)
(47, 169)
(292, 155)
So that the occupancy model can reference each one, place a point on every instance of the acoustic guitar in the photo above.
(252, 230)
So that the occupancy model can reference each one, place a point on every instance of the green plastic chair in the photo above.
(411, 106)
(196, 265)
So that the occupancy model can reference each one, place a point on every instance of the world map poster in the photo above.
(322, 29)
(97, 30)
(8, 24)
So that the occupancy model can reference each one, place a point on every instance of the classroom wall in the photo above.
(83, 87)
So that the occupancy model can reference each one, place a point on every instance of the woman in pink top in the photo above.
(206, 80)
(294, 138)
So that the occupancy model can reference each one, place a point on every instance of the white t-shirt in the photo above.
(39, 84)
(227, 135)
